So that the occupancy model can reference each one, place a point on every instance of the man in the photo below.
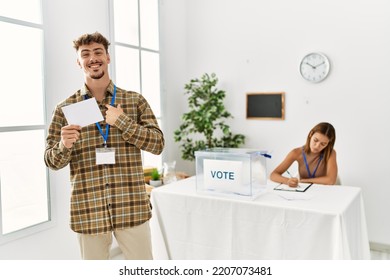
(108, 196)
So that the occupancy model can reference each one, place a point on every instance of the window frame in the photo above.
(140, 49)
(51, 220)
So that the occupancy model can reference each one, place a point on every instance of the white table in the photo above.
(325, 222)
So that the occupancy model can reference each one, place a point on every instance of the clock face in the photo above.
(314, 67)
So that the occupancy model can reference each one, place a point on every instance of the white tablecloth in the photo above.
(325, 222)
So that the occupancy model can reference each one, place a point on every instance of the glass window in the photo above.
(126, 21)
(149, 24)
(22, 62)
(127, 68)
(151, 80)
(23, 198)
(24, 187)
(26, 10)
(136, 54)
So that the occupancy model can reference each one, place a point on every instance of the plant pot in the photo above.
(155, 183)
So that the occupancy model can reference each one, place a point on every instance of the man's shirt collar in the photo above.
(85, 90)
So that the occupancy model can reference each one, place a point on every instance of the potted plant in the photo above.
(155, 178)
(204, 125)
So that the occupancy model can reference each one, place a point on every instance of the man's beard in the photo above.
(97, 76)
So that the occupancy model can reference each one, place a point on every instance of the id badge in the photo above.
(105, 156)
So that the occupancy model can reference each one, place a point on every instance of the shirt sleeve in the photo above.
(56, 155)
(144, 132)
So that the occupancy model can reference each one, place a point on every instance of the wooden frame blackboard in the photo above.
(265, 105)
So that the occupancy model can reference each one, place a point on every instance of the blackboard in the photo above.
(268, 105)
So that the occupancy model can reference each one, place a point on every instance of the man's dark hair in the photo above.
(88, 39)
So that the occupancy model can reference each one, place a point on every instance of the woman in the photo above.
(316, 159)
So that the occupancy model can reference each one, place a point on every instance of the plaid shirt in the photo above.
(107, 197)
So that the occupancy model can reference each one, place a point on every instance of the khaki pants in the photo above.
(135, 243)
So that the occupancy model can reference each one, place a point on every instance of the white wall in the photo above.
(256, 46)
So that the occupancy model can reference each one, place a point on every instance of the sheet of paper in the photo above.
(83, 113)
(300, 188)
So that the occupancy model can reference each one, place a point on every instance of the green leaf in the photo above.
(205, 117)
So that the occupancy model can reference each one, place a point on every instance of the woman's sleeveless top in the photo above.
(315, 163)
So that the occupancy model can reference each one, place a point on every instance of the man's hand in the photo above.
(113, 113)
(70, 134)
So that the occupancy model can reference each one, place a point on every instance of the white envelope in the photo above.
(83, 113)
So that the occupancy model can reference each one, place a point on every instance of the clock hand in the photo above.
(310, 65)
(319, 64)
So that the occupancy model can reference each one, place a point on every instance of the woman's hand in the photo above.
(293, 182)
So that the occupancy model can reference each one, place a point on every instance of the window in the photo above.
(24, 190)
(135, 49)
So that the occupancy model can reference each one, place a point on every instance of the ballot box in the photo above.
(240, 173)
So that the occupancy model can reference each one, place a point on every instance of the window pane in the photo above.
(27, 10)
(127, 68)
(149, 24)
(128, 58)
(126, 21)
(22, 72)
(23, 183)
(151, 80)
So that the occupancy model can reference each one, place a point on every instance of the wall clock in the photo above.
(314, 67)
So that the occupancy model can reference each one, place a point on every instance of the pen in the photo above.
(288, 172)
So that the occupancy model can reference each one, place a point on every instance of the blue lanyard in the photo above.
(307, 166)
(105, 135)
